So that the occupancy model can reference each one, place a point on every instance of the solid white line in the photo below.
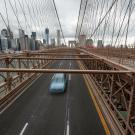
(69, 78)
(24, 128)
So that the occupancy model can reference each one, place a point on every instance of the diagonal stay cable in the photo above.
(59, 21)
(15, 14)
(3, 20)
(78, 19)
(103, 18)
(83, 17)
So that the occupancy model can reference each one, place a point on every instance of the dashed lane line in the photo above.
(24, 128)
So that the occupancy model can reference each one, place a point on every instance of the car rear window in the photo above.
(58, 79)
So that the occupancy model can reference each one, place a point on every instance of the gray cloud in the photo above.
(41, 15)
(95, 12)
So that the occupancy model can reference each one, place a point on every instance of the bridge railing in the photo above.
(121, 55)
(11, 81)
(117, 90)
(113, 83)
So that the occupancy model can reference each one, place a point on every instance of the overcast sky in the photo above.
(67, 10)
(42, 15)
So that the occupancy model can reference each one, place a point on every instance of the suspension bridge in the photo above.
(98, 60)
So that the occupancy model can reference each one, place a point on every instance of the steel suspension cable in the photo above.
(59, 21)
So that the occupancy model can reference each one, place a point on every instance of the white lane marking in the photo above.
(67, 132)
(67, 123)
(20, 94)
(70, 65)
(67, 127)
(24, 128)
(69, 78)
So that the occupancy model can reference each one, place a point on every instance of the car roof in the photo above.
(58, 75)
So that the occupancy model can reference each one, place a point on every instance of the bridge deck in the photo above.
(37, 112)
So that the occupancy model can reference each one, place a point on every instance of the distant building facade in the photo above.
(22, 39)
(44, 41)
(7, 33)
(100, 43)
(4, 42)
(6, 38)
(89, 43)
(34, 35)
(58, 38)
(47, 36)
(82, 40)
(53, 42)
(24, 42)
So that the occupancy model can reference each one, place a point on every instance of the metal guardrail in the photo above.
(121, 55)
(75, 71)
(115, 83)
(117, 91)
(12, 81)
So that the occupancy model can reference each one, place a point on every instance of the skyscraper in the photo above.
(82, 40)
(53, 42)
(4, 33)
(34, 35)
(47, 36)
(100, 43)
(58, 37)
(7, 33)
(22, 39)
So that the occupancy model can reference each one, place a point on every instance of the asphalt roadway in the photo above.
(37, 112)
